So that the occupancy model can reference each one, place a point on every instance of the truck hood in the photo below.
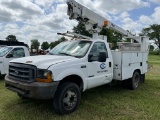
(43, 61)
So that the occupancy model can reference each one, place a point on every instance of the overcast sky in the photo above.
(42, 19)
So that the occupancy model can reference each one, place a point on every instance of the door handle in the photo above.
(110, 64)
(83, 66)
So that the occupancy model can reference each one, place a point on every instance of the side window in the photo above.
(96, 49)
(18, 52)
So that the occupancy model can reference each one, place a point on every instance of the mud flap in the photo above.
(142, 80)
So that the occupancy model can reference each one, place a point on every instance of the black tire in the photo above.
(67, 98)
(142, 78)
(133, 82)
(21, 96)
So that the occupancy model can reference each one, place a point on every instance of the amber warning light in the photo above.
(106, 23)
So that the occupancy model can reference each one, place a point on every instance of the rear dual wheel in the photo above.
(133, 82)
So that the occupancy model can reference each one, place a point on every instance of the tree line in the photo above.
(153, 32)
(35, 44)
(45, 45)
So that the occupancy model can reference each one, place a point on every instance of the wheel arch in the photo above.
(74, 79)
(138, 70)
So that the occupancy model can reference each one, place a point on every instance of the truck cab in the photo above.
(8, 53)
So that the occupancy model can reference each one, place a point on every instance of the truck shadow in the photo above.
(97, 96)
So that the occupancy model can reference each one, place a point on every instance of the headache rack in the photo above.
(74, 35)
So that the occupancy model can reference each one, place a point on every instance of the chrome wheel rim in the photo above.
(69, 99)
(136, 79)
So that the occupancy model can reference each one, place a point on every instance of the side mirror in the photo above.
(102, 57)
(9, 55)
(90, 58)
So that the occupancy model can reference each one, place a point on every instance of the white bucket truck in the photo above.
(77, 65)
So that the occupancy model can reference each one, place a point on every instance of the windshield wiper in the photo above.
(65, 54)
(62, 53)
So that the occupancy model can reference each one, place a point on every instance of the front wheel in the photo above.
(67, 98)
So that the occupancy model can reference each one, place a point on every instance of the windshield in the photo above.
(71, 48)
(4, 51)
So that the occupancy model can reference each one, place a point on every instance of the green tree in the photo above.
(11, 38)
(53, 44)
(112, 36)
(45, 45)
(153, 32)
(35, 44)
(80, 29)
(151, 47)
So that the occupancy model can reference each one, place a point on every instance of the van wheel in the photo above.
(133, 82)
(67, 98)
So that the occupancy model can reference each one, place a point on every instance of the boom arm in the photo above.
(93, 22)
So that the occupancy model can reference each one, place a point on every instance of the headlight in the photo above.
(42, 73)
(44, 76)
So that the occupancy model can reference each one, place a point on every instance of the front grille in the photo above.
(22, 72)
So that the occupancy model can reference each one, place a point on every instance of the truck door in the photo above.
(99, 73)
(3, 52)
(15, 53)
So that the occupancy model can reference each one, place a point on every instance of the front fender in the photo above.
(71, 71)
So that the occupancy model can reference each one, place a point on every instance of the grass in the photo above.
(101, 103)
(154, 59)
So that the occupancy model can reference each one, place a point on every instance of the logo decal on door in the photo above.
(103, 66)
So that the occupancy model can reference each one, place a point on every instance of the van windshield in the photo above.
(4, 51)
(72, 48)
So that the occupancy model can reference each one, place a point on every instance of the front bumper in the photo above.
(35, 90)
